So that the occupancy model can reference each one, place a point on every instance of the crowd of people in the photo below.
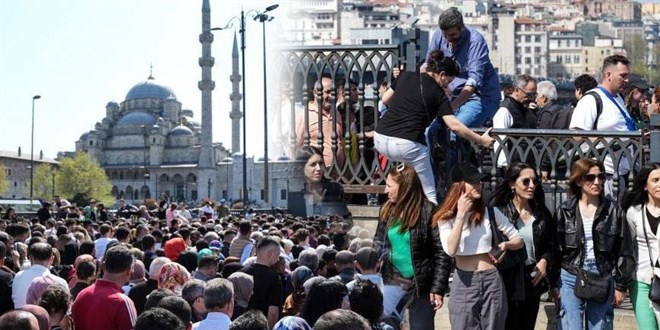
(87, 268)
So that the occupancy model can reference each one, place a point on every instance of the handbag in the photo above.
(654, 291)
(589, 286)
(503, 260)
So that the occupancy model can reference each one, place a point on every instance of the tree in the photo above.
(42, 184)
(82, 177)
(4, 184)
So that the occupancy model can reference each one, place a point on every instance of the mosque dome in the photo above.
(136, 118)
(150, 89)
(84, 136)
(181, 131)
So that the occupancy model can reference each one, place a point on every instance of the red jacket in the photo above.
(103, 306)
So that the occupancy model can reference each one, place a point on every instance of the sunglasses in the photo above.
(527, 181)
(592, 177)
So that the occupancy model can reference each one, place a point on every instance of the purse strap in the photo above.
(421, 90)
(648, 246)
(579, 229)
(493, 227)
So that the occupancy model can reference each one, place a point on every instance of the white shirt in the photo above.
(502, 120)
(635, 220)
(588, 226)
(584, 116)
(100, 246)
(23, 280)
(477, 239)
(213, 321)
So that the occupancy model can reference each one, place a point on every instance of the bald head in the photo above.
(18, 320)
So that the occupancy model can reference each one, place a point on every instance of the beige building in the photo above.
(622, 9)
(650, 8)
(593, 56)
(565, 55)
(519, 46)
(17, 169)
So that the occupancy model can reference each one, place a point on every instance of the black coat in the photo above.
(430, 262)
(612, 242)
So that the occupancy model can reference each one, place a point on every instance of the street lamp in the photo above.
(36, 97)
(241, 19)
(263, 18)
(53, 177)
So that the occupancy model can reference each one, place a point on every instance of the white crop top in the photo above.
(477, 239)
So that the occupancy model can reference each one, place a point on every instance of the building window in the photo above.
(263, 195)
(528, 50)
(15, 184)
(537, 38)
(528, 60)
(282, 194)
(9, 172)
(528, 38)
(537, 49)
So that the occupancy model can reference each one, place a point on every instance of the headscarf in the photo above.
(243, 286)
(174, 247)
(172, 277)
(299, 276)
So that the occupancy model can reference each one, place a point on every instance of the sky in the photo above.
(81, 54)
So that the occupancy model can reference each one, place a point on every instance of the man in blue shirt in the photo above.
(475, 92)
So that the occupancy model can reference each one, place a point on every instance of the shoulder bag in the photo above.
(654, 291)
(500, 258)
(589, 286)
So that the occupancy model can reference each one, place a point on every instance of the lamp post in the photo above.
(263, 18)
(53, 177)
(241, 19)
(36, 97)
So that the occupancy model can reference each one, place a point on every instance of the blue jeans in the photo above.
(473, 113)
(571, 314)
(412, 153)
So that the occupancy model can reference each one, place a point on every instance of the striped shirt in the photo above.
(103, 306)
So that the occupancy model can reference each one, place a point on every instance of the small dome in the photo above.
(136, 118)
(112, 104)
(181, 131)
(84, 136)
(150, 89)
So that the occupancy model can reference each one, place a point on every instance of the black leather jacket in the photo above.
(612, 243)
(430, 262)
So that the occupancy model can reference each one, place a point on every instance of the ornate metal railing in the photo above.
(361, 172)
(554, 151)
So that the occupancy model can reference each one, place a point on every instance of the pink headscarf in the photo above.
(173, 276)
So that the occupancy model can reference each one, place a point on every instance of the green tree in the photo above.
(4, 184)
(42, 184)
(82, 176)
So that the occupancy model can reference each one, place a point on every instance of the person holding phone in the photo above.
(594, 261)
(519, 196)
(478, 294)
(420, 265)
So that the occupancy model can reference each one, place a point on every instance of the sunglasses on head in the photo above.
(592, 177)
(528, 181)
(400, 167)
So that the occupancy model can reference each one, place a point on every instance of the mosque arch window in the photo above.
(129, 192)
(179, 187)
(115, 192)
(136, 194)
(145, 193)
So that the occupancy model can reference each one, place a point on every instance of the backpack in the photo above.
(562, 119)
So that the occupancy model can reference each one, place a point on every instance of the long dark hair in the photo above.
(503, 195)
(322, 297)
(637, 195)
(409, 201)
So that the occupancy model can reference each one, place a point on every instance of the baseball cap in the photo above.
(215, 245)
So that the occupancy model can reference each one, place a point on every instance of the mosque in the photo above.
(149, 145)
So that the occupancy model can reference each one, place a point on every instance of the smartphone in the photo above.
(496, 254)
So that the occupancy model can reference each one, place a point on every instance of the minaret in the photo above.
(235, 98)
(206, 174)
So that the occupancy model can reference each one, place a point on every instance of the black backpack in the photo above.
(562, 119)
